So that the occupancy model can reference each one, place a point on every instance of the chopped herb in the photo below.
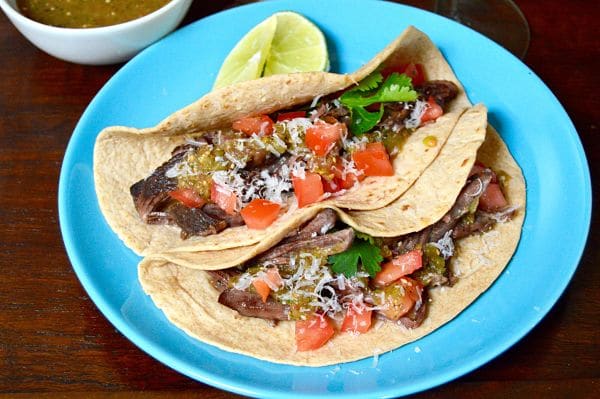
(364, 237)
(347, 262)
(363, 120)
(370, 82)
(371, 90)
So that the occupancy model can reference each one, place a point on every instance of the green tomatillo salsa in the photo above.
(87, 13)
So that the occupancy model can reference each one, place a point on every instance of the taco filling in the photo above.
(250, 173)
(326, 277)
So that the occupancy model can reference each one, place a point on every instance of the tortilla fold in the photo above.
(124, 155)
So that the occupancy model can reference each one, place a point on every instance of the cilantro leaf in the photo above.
(372, 90)
(363, 120)
(364, 236)
(396, 88)
(370, 82)
(347, 262)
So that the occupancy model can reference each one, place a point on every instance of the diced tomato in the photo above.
(492, 198)
(262, 287)
(309, 189)
(261, 125)
(331, 186)
(188, 197)
(274, 276)
(373, 160)
(349, 180)
(225, 199)
(286, 116)
(399, 298)
(357, 320)
(413, 288)
(433, 111)
(321, 137)
(416, 73)
(413, 71)
(345, 180)
(313, 333)
(398, 267)
(260, 213)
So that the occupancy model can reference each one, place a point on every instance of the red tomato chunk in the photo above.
(321, 137)
(286, 116)
(313, 333)
(261, 125)
(262, 286)
(433, 111)
(188, 197)
(308, 189)
(225, 199)
(357, 320)
(373, 160)
(260, 213)
(398, 267)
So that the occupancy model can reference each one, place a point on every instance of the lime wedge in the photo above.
(298, 46)
(285, 42)
(247, 59)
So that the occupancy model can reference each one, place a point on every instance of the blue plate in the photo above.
(182, 67)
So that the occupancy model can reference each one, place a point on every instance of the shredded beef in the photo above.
(471, 192)
(328, 244)
(215, 212)
(442, 91)
(317, 226)
(251, 304)
(193, 221)
(151, 195)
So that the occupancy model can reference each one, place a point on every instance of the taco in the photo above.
(328, 294)
(425, 202)
(246, 163)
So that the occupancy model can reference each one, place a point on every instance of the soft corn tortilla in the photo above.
(190, 302)
(125, 155)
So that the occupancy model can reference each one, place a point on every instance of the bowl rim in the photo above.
(13, 13)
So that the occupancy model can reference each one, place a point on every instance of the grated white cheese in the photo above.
(315, 101)
(296, 129)
(272, 150)
(237, 162)
(354, 143)
(195, 143)
(414, 120)
(180, 169)
(243, 281)
(445, 245)
(257, 140)
(376, 353)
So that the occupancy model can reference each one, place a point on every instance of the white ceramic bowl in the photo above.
(99, 46)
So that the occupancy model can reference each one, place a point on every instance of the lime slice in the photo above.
(247, 59)
(298, 46)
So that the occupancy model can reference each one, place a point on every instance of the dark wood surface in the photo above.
(55, 343)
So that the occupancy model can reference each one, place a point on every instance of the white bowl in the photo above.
(99, 46)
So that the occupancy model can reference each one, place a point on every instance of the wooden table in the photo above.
(53, 340)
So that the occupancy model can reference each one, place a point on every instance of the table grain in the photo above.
(55, 343)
